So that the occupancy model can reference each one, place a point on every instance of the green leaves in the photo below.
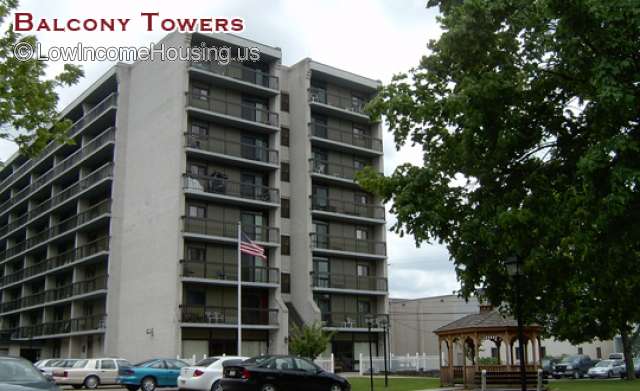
(528, 113)
(28, 100)
(309, 340)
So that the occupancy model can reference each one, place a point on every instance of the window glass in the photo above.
(284, 101)
(284, 137)
(176, 364)
(197, 211)
(206, 362)
(284, 172)
(80, 364)
(201, 93)
(197, 169)
(363, 270)
(285, 279)
(195, 297)
(305, 365)
(361, 234)
(285, 245)
(281, 363)
(159, 364)
(123, 363)
(285, 210)
(199, 129)
(196, 253)
(107, 364)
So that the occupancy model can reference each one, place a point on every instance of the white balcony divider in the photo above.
(408, 363)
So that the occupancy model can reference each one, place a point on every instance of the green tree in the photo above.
(309, 340)
(28, 99)
(527, 113)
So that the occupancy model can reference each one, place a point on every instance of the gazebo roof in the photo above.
(485, 319)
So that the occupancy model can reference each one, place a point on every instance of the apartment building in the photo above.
(124, 243)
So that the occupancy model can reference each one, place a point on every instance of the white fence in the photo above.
(328, 364)
(408, 363)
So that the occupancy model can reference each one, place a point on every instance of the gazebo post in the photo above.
(477, 352)
(450, 353)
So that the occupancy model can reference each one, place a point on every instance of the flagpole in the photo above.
(239, 291)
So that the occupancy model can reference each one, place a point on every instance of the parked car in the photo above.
(17, 374)
(90, 373)
(57, 365)
(573, 366)
(151, 374)
(206, 374)
(636, 368)
(547, 366)
(45, 362)
(280, 373)
(616, 356)
(606, 368)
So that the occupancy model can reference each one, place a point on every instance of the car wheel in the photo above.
(148, 384)
(268, 387)
(216, 386)
(335, 387)
(92, 382)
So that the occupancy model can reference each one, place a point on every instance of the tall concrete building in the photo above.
(124, 243)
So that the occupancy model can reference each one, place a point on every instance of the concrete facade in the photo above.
(169, 157)
(413, 322)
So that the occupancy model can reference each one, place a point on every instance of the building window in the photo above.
(284, 102)
(580, 351)
(363, 270)
(362, 234)
(359, 164)
(200, 93)
(285, 282)
(285, 210)
(195, 297)
(197, 169)
(197, 211)
(284, 137)
(599, 352)
(285, 245)
(196, 253)
(284, 172)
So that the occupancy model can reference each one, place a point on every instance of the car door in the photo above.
(108, 371)
(173, 371)
(281, 372)
(159, 369)
(308, 376)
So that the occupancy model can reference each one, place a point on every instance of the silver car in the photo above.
(90, 373)
(607, 368)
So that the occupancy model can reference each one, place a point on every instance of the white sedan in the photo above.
(205, 375)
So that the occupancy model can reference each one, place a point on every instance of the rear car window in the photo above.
(80, 364)
(206, 362)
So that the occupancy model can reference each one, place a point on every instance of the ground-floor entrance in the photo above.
(348, 346)
(201, 342)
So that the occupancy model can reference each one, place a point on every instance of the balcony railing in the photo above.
(95, 111)
(348, 319)
(240, 72)
(238, 110)
(217, 185)
(350, 103)
(344, 136)
(228, 315)
(232, 148)
(341, 243)
(61, 293)
(346, 207)
(67, 326)
(349, 281)
(210, 227)
(69, 224)
(333, 169)
(105, 172)
(229, 272)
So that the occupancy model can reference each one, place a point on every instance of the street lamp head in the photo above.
(370, 320)
(513, 266)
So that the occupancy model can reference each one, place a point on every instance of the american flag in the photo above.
(248, 247)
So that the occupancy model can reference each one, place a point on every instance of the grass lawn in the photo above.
(395, 384)
(594, 385)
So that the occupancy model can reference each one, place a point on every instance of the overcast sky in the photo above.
(371, 38)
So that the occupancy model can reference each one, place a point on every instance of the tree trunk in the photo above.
(628, 354)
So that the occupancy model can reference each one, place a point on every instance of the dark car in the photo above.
(548, 363)
(573, 366)
(17, 374)
(280, 373)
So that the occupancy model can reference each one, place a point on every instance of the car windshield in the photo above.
(256, 360)
(207, 361)
(604, 363)
(570, 360)
(19, 372)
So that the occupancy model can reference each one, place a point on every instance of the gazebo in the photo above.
(461, 341)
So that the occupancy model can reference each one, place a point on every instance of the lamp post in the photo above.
(514, 269)
(370, 321)
(385, 327)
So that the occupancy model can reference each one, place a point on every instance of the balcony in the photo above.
(103, 208)
(333, 282)
(333, 172)
(237, 192)
(75, 189)
(57, 262)
(346, 210)
(246, 155)
(84, 325)
(104, 106)
(346, 107)
(235, 114)
(349, 320)
(238, 76)
(348, 246)
(345, 140)
(106, 138)
(214, 316)
(227, 273)
(227, 232)
(58, 294)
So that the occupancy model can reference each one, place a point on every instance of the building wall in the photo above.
(414, 320)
